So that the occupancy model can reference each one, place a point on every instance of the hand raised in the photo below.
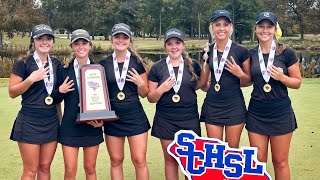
(66, 86)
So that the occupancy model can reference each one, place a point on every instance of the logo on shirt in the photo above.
(208, 158)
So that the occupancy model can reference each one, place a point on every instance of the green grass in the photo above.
(304, 149)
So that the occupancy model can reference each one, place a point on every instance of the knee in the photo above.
(139, 162)
(280, 163)
(89, 169)
(44, 167)
(30, 172)
(116, 161)
(70, 172)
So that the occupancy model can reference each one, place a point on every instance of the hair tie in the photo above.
(278, 32)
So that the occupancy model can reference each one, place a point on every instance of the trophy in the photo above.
(94, 96)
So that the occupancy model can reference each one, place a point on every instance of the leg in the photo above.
(138, 150)
(214, 131)
(47, 152)
(261, 142)
(280, 146)
(233, 134)
(89, 158)
(70, 156)
(30, 158)
(115, 146)
(170, 164)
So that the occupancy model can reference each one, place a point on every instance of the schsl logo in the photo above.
(93, 85)
(202, 158)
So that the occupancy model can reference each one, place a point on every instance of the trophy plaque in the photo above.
(94, 96)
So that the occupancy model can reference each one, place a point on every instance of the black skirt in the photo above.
(168, 121)
(224, 112)
(271, 117)
(81, 141)
(36, 126)
(132, 120)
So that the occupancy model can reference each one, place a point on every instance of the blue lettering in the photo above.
(190, 152)
(248, 153)
(210, 155)
(234, 170)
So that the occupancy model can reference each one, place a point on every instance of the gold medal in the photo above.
(267, 88)
(48, 100)
(217, 87)
(121, 96)
(176, 98)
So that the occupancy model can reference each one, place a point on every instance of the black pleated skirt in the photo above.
(80, 141)
(271, 117)
(36, 126)
(168, 121)
(224, 112)
(132, 120)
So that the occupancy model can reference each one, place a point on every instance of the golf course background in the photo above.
(304, 151)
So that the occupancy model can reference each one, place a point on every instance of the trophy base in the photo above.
(103, 115)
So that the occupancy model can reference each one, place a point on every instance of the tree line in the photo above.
(150, 18)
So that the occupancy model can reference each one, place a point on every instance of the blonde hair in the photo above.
(133, 51)
(189, 62)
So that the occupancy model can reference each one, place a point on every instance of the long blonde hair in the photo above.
(189, 62)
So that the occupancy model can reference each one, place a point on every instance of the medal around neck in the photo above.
(218, 69)
(121, 96)
(217, 87)
(175, 98)
(267, 88)
(48, 100)
(263, 68)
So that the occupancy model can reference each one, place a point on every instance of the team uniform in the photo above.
(70, 133)
(271, 113)
(132, 118)
(36, 122)
(225, 107)
(171, 117)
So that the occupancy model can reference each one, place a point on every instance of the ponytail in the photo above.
(189, 62)
(132, 50)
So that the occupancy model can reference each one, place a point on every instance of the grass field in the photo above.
(304, 152)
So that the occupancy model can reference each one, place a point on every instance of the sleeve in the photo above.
(245, 54)
(290, 56)
(56, 95)
(140, 69)
(19, 68)
(197, 68)
(153, 73)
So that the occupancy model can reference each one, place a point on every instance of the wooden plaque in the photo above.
(94, 96)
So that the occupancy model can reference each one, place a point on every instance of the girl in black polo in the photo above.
(274, 68)
(36, 126)
(172, 83)
(127, 79)
(72, 136)
(224, 110)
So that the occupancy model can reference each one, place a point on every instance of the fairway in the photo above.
(304, 157)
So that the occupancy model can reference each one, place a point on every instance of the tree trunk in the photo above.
(301, 27)
(199, 24)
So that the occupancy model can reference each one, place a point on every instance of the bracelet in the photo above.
(29, 81)
(140, 85)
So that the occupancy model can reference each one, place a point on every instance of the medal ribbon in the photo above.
(178, 79)
(219, 69)
(48, 81)
(121, 80)
(263, 68)
(77, 70)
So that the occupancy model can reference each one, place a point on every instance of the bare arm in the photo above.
(293, 80)
(140, 80)
(156, 92)
(204, 81)
(18, 86)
